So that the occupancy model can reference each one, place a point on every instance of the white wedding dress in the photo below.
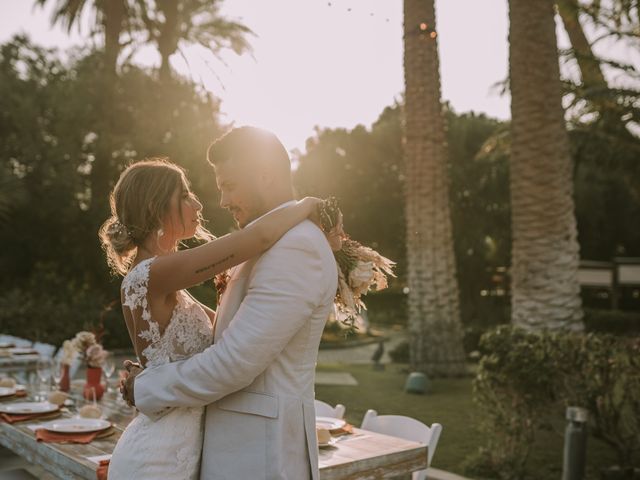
(170, 447)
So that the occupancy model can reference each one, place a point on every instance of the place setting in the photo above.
(10, 389)
(330, 429)
(73, 430)
(26, 411)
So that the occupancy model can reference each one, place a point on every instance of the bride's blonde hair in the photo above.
(139, 203)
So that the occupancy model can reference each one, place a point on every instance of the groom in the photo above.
(257, 381)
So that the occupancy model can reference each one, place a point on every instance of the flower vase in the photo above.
(94, 375)
(65, 381)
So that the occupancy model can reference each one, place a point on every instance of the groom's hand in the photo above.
(127, 383)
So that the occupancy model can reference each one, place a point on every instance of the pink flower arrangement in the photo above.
(86, 344)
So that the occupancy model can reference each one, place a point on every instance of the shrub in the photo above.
(52, 316)
(612, 321)
(525, 380)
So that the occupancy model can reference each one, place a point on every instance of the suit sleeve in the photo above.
(284, 291)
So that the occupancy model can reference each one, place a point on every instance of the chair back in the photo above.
(44, 349)
(407, 428)
(325, 410)
(17, 341)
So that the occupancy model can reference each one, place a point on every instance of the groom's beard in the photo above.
(244, 216)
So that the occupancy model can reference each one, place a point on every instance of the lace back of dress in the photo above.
(135, 287)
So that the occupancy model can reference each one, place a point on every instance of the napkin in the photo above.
(103, 470)
(347, 429)
(25, 417)
(43, 435)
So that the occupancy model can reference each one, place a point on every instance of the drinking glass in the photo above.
(56, 373)
(108, 368)
(43, 369)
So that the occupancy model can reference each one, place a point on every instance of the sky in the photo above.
(324, 63)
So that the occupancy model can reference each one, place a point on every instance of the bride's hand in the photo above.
(336, 235)
(311, 204)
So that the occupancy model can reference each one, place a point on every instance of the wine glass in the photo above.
(56, 373)
(43, 369)
(108, 368)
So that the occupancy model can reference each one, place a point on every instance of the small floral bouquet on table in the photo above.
(360, 269)
(69, 353)
(94, 355)
(92, 352)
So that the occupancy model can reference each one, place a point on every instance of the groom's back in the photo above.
(285, 297)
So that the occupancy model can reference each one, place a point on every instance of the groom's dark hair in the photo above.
(252, 147)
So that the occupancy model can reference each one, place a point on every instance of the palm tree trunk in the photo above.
(168, 38)
(114, 15)
(592, 75)
(434, 316)
(545, 251)
(102, 169)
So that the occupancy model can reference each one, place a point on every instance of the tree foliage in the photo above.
(48, 129)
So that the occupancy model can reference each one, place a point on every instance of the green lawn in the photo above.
(450, 404)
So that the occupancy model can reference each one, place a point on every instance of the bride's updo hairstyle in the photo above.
(139, 203)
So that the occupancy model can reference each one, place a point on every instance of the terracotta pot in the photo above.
(65, 381)
(94, 375)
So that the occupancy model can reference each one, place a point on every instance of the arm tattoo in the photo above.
(214, 265)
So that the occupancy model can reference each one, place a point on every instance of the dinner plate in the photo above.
(28, 407)
(77, 425)
(6, 391)
(330, 423)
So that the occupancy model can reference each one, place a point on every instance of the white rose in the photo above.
(69, 352)
(361, 278)
(83, 340)
(96, 355)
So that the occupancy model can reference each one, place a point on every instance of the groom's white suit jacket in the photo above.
(257, 380)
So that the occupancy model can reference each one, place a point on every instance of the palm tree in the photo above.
(110, 19)
(192, 22)
(545, 251)
(109, 16)
(434, 316)
(592, 76)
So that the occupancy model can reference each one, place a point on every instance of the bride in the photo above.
(152, 210)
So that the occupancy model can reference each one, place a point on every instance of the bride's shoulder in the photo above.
(134, 284)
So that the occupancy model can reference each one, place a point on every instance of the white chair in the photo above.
(325, 410)
(44, 349)
(407, 428)
(17, 341)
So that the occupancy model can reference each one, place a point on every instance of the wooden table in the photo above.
(362, 455)
(369, 455)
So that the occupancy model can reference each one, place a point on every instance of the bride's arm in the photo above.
(187, 268)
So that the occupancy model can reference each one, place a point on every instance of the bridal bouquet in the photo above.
(92, 352)
(360, 269)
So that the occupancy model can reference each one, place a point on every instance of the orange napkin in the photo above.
(103, 470)
(346, 430)
(10, 418)
(46, 436)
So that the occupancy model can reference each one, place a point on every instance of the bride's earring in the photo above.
(160, 233)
